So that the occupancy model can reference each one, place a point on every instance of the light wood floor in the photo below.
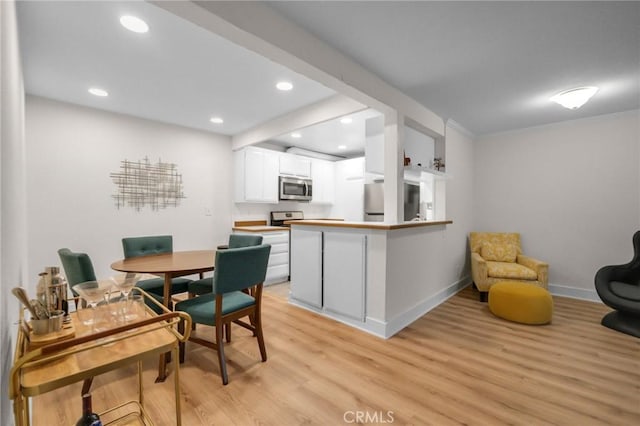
(456, 365)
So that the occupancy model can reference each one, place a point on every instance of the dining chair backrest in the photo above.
(240, 268)
(145, 246)
(77, 267)
(244, 240)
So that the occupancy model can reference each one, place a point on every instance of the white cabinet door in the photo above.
(260, 173)
(344, 274)
(306, 267)
(323, 178)
(294, 165)
(349, 189)
(253, 169)
(374, 145)
(270, 177)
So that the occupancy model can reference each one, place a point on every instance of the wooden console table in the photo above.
(88, 354)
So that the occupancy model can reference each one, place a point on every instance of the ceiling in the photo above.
(176, 73)
(490, 66)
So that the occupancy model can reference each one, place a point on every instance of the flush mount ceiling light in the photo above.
(296, 135)
(342, 147)
(346, 120)
(96, 91)
(284, 86)
(216, 120)
(134, 24)
(574, 98)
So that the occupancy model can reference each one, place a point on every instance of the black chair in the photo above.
(619, 288)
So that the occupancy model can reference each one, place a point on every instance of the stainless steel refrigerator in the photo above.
(374, 201)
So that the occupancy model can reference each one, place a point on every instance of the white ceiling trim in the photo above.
(459, 127)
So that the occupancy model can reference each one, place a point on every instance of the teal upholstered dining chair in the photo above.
(236, 270)
(78, 268)
(148, 246)
(205, 285)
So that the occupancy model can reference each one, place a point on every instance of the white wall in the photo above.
(260, 211)
(425, 266)
(572, 191)
(12, 194)
(71, 152)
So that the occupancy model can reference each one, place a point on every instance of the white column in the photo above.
(393, 167)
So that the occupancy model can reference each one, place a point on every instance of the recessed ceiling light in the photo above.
(342, 147)
(284, 86)
(134, 24)
(574, 98)
(216, 120)
(346, 120)
(296, 135)
(96, 91)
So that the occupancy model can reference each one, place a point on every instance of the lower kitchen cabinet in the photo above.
(328, 271)
(306, 267)
(278, 266)
(344, 272)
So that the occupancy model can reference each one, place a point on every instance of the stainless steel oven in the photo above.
(296, 189)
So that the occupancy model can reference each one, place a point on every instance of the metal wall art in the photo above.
(140, 184)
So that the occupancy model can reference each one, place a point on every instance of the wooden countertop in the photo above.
(368, 225)
(256, 226)
(260, 228)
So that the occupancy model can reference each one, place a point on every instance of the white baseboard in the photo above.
(371, 326)
(386, 329)
(574, 293)
(404, 319)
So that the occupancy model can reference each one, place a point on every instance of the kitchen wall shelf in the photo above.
(418, 170)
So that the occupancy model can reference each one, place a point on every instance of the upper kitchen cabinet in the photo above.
(256, 175)
(374, 145)
(293, 165)
(323, 178)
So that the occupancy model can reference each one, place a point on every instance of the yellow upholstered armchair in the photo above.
(498, 257)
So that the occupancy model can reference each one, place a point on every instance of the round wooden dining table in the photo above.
(169, 265)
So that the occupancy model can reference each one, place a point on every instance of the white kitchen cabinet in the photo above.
(344, 274)
(374, 145)
(328, 272)
(294, 165)
(306, 267)
(349, 189)
(323, 177)
(256, 175)
(278, 266)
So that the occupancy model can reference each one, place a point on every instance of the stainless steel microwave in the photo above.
(295, 189)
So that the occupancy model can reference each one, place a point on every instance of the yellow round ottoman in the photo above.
(520, 302)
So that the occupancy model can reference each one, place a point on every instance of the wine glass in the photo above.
(125, 283)
(93, 292)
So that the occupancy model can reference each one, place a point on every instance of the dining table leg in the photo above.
(165, 357)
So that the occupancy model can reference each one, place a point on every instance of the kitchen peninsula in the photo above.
(374, 276)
